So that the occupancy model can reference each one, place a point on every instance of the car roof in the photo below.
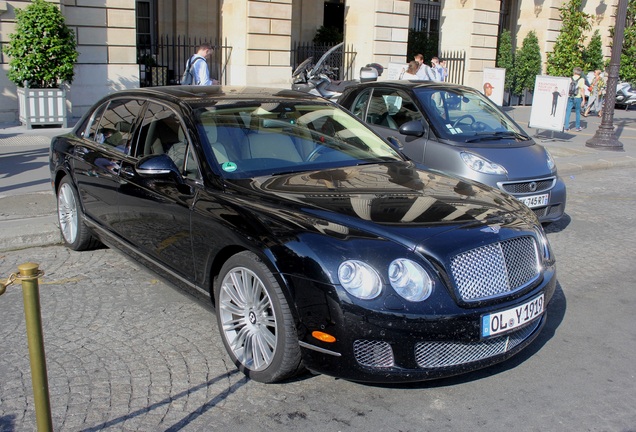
(196, 94)
(412, 84)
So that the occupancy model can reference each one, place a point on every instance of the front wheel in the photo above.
(255, 321)
(75, 233)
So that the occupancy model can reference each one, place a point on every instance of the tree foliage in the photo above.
(42, 50)
(328, 36)
(593, 53)
(627, 70)
(422, 42)
(568, 49)
(505, 57)
(527, 64)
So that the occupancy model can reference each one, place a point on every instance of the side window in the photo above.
(163, 133)
(381, 107)
(406, 112)
(93, 123)
(391, 109)
(115, 125)
(360, 105)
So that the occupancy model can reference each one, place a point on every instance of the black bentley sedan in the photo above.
(320, 245)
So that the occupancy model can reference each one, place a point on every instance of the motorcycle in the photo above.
(625, 95)
(320, 79)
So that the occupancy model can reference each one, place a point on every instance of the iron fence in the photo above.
(455, 66)
(163, 63)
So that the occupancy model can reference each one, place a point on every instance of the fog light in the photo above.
(323, 337)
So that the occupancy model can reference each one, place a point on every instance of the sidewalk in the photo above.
(29, 219)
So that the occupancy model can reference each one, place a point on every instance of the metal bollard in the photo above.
(28, 275)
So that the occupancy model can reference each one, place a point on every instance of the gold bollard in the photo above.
(29, 274)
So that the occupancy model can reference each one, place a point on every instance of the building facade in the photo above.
(125, 43)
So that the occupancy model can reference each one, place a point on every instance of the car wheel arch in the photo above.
(222, 256)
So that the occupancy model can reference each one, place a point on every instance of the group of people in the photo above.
(418, 70)
(590, 88)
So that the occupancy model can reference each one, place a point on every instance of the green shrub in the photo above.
(42, 50)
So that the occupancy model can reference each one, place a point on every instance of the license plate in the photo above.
(512, 318)
(535, 200)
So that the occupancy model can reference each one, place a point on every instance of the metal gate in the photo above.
(163, 63)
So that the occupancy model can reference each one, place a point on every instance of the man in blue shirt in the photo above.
(200, 68)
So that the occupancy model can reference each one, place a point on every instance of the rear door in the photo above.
(99, 155)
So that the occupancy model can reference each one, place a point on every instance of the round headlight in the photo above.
(482, 165)
(359, 279)
(410, 280)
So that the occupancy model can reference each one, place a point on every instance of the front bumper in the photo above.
(385, 347)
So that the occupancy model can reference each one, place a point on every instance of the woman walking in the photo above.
(597, 91)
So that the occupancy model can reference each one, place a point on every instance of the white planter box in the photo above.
(42, 106)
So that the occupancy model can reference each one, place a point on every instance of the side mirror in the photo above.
(157, 166)
(413, 128)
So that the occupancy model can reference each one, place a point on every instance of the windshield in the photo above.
(467, 116)
(255, 139)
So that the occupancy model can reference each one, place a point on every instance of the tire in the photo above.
(70, 217)
(255, 322)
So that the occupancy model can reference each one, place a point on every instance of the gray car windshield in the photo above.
(254, 139)
(466, 116)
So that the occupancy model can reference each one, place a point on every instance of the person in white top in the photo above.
(411, 71)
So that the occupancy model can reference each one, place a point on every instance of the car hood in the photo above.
(394, 200)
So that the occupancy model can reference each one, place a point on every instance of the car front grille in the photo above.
(532, 186)
(496, 269)
(443, 354)
(378, 354)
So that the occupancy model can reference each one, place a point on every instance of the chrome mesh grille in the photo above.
(495, 269)
(377, 354)
(442, 354)
(525, 187)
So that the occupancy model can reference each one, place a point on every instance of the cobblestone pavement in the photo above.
(128, 352)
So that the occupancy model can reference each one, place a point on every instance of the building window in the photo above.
(426, 16)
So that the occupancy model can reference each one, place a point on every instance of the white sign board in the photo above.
(493, 84)
(395, 70)
(549, 102)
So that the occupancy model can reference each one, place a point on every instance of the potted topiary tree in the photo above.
(42, 55)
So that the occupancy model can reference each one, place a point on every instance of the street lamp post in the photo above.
(604, 138)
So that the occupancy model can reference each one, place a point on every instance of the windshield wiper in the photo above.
(487, 136)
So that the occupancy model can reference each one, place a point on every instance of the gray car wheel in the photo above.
(71, 218)
(255, 321)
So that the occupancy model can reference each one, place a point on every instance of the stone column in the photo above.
(471, 25)
(259, 33)
(377, 30)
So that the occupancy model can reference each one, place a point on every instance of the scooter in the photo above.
(625, 95)
(319, 79)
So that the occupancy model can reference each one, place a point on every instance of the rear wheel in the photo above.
(255, 321)
(75, 233)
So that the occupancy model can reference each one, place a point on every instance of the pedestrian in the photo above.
(200, 70)
(576, 97)
(424, 71)
(411, 71)
(597, 89)
(440, 72)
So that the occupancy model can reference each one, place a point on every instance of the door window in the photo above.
(114, 127)
(391, 108)
(162, 132)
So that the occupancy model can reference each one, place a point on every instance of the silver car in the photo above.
(459, 131)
